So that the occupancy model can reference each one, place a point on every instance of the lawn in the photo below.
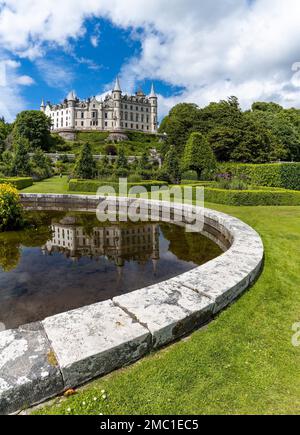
(51, 185)
(243, 362)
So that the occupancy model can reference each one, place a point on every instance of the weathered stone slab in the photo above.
(28, 372)
(169, 310)
(95, 340)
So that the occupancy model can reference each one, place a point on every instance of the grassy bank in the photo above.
(243, 362)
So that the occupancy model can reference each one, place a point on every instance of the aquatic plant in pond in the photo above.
(11, 210)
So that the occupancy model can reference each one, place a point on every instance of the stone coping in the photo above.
(41, 360)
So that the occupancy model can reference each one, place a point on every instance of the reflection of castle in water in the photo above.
(138, 242)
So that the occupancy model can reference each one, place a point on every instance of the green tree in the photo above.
(41, 166)
(171, 166)
(198, 156)
(35, 127)
(21, 163)
(5, 129)
(122, 162)
(85, 166)
(179, 124)
(224, 141)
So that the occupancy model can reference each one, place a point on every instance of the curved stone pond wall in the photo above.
(41, 360)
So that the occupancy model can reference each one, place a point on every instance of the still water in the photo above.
(68, 260)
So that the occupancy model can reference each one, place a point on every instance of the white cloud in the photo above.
(210, 48)
(25, 80)
(55, 74)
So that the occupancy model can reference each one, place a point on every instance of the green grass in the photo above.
(52, 185)
(243, 362)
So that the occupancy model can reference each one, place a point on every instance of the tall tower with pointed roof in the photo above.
(153, 103)
(117, 97)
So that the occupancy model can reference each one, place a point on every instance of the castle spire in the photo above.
(43, 103)
(152, 93)
(117, 87)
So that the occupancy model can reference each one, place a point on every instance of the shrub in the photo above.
(190, 175)
(21, 165)
(11, 211)
(198, 156)
(111, 150)
(85, 166)
(134, 178)
(282, 175)
(252, 197)
(91, 186)
(18, 182)
(41, 166)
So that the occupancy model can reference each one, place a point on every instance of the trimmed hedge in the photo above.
(283, 175)
(91, 186)
(252, 197)
(18, 182)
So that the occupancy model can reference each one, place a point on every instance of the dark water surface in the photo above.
(69, 260)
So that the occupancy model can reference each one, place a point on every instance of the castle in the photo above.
(116, 114)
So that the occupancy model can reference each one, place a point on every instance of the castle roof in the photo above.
(117, 87)
(71, 96)
(152, 93)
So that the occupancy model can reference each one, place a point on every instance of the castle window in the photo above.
(126, 116)
(136, 108)
(131, 125)
(131, 107)
(105, 115)
(126, 125)
(82, 123)
(82, 115)
(106, 124)
(137, 118)
(142, 127)
(137, 127)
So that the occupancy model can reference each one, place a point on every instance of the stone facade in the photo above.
(117, 113)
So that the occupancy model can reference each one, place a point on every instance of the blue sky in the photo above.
(193, 51)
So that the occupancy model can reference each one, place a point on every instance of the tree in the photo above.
(179, 124)
(5, 130)
(21, 165)
(121, 162)
(257, 143)
(35, 127)
(224, 141)
(41, 166)
(198, 156)
(85, 166)
(171, 166)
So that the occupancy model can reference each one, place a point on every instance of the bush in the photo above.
(262, 197)
(11, 211)
(198, 156)
(18, 182)
(282, 175)
(91, 186)
(134, 178)
(189, 175)
(85, 165)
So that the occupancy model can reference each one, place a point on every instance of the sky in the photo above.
(193, 51)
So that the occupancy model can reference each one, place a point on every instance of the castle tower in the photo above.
(153, 103)
(71, 98)
(43, 107)
(117, 97)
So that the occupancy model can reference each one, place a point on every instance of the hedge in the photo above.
(18, 182)
(92, 186)
(283, 175)
(252, 197)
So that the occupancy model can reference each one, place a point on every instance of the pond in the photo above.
(67, 260)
